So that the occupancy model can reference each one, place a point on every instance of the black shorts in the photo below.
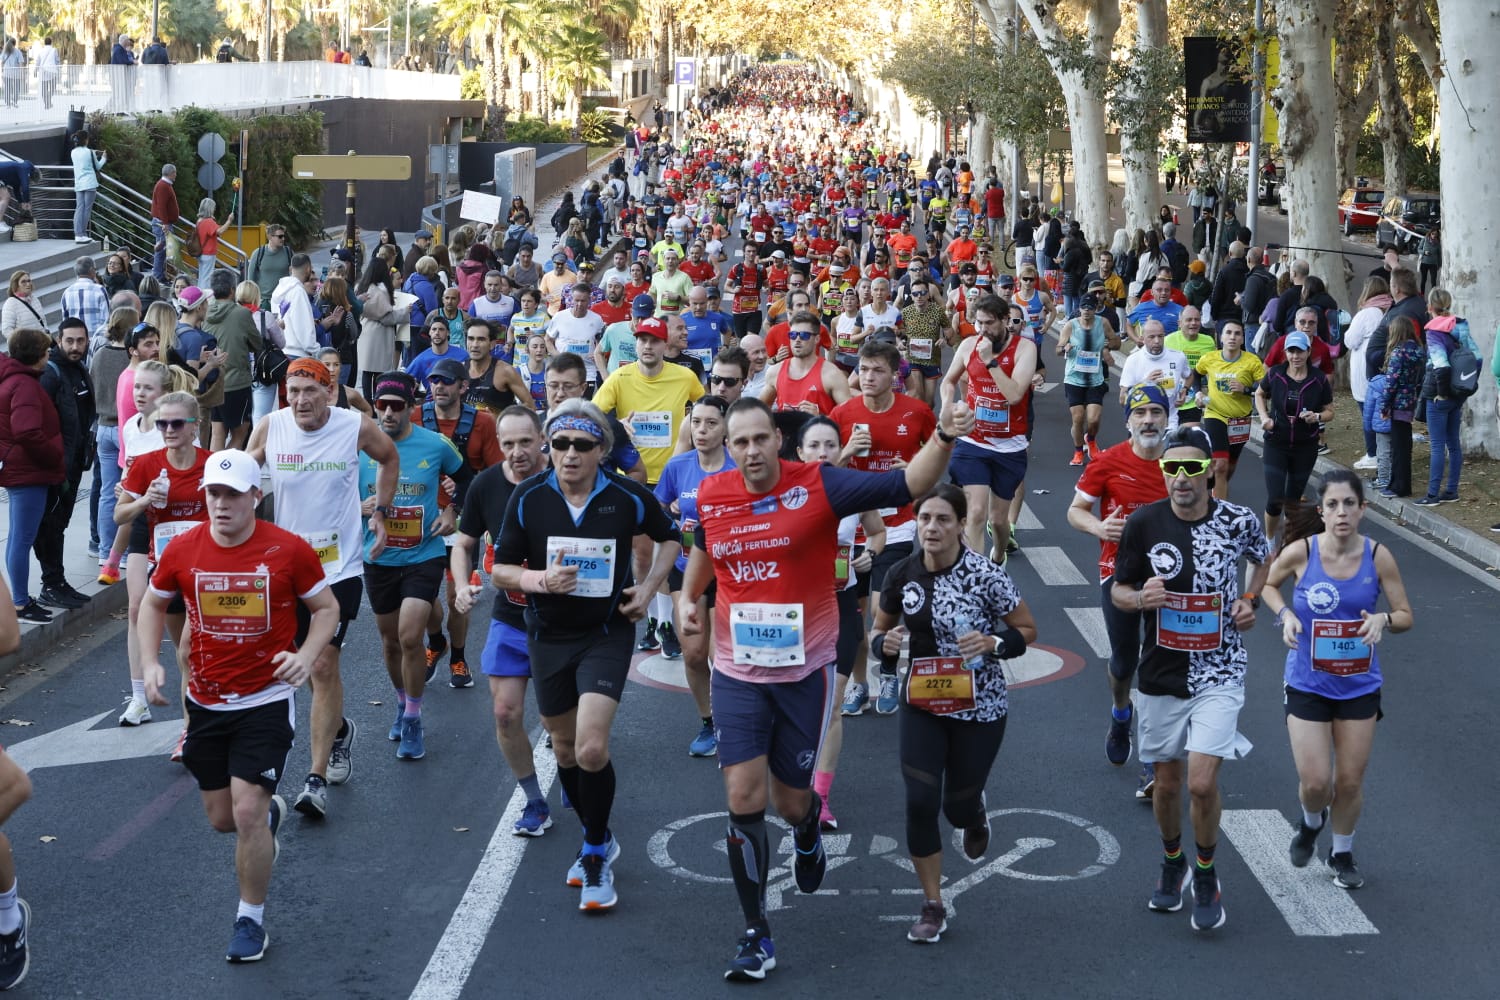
(1085, 395)
(390, 585)
(1218, 433)
(140, 537)
(1189, 415)
(348, 593)
(886, 561)
(246, 743)
(234, 412)
(674, 585)
(746, 323)
(563, 669)
(851, 629)
(1311, 707)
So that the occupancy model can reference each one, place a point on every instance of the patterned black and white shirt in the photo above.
(973, 590)
(1200, 562)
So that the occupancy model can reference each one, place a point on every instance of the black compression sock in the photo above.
(805, 833)
(749, 861)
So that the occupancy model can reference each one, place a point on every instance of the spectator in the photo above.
(208, 240)
(1446, 333)
(421, 246)
(164, 215)
(1259, 290)
(12, 72)
(68, 385)
(155, 54)
(444, 263)
(117, 276)
(292, 302)
(85, 298)
(421, 284)
(1404, 362)
(105, 366)
(471, 274)
(270, 263)
(31, 439)
(235, 330)
(1430, 256)
(338, 318)
(21, 308)
(1406, 300)
(1290, 299)
(15, 182)
(1374, 300)
(1229, 283)
(48, 67)
(376, 350)
(1196, 288)
(262, 392)
(86, 167)
(148, 292)
(1315, 295)
(123, 53)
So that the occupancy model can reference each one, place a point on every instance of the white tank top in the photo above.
(315, 476)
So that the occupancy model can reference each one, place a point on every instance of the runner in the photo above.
(1333, 679)
(769, 534)
(1120, 481)
(241, 580)
(577, 330)
(964, 617)
(404, 577)
(312, 452)
(535, 372)
(15, 789)
(493, 384)
(504, 660)
(1086, 341)
(730, 372)
(924, 322)
(1230, 375)
(580, 610)
(804, 381)
(706, 331)
(1168, 370)
(565, 380)
(746, 282)
(1180, 558)
(1192, 343)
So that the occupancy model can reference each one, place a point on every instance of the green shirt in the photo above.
(618, 344)
(1191, 349)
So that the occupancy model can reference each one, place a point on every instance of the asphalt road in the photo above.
(406, 890)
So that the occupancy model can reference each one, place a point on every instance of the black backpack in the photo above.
(1178, 258)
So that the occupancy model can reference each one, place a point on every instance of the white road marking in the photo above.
(81, 743)
(1307, 898)
(1028, 521)
(1090, 624)
(1053, 566)
(459, 946)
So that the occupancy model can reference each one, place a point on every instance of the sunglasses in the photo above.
(175, 424)
(393, 405)
(1185, 466)
(1027, 278)
(800, 335)
(440, 380)
(920, 293)
(1014, 321)
(581, 445)
(725, 380)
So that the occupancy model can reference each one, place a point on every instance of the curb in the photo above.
(40, 641)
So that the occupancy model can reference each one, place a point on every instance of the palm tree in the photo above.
(85, 21)
(579, 61)
(248, 18)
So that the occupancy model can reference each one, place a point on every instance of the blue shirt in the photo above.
(426, 456)
(1148, 309)
(704, 336)
(679, 482)
(421, 366)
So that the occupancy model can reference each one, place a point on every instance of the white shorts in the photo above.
(1170, 728)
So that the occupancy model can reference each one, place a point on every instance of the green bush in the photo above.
(471, 85)
(593, 127)
(535, 130)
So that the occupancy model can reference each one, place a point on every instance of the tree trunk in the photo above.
(1471, 193)
(981, 141)
(1353, 112)
(1394, 125)
(1141, 159)
(1306, 101)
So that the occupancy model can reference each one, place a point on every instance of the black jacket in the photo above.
(68, 385)
(1229, 282)
(1413, 306)
(1259, 289)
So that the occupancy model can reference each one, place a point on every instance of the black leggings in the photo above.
(1287, 472)
(851, 629)
(945, 763)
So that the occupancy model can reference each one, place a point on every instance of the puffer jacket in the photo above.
(31, 443)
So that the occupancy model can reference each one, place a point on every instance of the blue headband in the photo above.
(1145, 394)
(575, 424)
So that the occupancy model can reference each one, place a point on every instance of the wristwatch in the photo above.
(1254, 600)
(945, 437)
(382, 510)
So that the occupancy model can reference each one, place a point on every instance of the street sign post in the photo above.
(351, 168)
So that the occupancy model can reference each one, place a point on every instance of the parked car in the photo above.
(1359, 208)
(1405, 219)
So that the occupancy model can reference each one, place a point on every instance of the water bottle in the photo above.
(165, 482)
(963, 625)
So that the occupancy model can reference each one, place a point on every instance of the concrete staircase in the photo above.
(50, 264)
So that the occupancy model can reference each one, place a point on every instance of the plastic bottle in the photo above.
(165, 482)
(963, 625)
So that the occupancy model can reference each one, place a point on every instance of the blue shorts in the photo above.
(505, 652)
(1001, 471)
(927, 371)
(784, 723)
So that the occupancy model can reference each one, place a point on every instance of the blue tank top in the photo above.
(538, 383)
(1330, 660)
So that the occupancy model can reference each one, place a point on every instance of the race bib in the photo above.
(704, 355)
(165, 531)
(1239, 430)
(1190, 623)
(1086, 362)
(940, 685)
(1166, 384)
(991, 417)
(920, 349)
(841, 565)
(1222, 384)
(760, 237)
(595, 559)
(653, 428)
(326, 545)
(577, 347)
(404, 527)
(767, 635)
(747, 303)
(1338, 649)
(233, 604)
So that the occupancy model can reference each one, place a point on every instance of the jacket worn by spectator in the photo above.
(238, 337)
(1413, 306)
(31, 441)
(164, 202)
(1259, 289)
(68, 385)
(427, 298)
(292, 306)
(1227, 283)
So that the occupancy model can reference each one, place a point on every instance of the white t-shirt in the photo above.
(1176, 374)
(578, 335)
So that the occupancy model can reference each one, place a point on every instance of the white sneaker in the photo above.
(136, 712)
(4, 228)
(83, 239)
(1366, 462)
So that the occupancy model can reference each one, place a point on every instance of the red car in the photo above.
(1359, 208)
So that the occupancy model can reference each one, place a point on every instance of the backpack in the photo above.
(461, 432)
(1463, 363)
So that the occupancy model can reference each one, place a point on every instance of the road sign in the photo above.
(352, 167)
(210, 176)
(686, 72)
(442, 159)
(80, 743)
(211, 148)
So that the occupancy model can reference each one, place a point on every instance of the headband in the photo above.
(310, 368)
(571, 423)
(1145, 394)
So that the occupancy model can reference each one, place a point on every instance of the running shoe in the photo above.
(671, 648)
(1093, 447)
(341, 757)
(754, 957)
(34, 613)
(1345, 872)
(109, 576)
(598, 889)
(810, 866)
(705, 744)
(15, 957)
(1117, 743)
(930, 925)
(248, 944)
(1447, 498)
(1304, 840)
(890, 695)
(1077, 460)
(1011, 545)
(136, 712)
(411, 746)
(1167, 897)
(274, 816)
(433, 656)
(313, 802)
(58, 598)
(395, 734)
(176, 756)
(977, 839)
(1208, 908)
(535, 820)
(826, 819)
(856, 699)
(649, 643)
(611, 854)
(459, 676)
(1147, 782)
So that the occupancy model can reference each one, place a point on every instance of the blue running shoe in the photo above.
(671, 648)
(248, 943)
(412, 747)
(395, 734)
(705, 744)
(535, 819)
(1208, 909)
(1117, 743)
(755, 957)
(1148, 782)
(15, 956)
(856, 699)
(810, 866)
(1167, 897)
(598, 889)
(890, 695)
(611, 855)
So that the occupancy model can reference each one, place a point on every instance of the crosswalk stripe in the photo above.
(1090, 624)
(1028, 521)
(1053, 566)
(1307, 898)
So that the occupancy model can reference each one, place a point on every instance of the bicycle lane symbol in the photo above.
(691, 843)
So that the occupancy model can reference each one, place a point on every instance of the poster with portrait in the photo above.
(1218, 90)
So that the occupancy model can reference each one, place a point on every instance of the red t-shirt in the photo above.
(897, 432)
(1119, 480)
(776, 338)
(1318, 356)
(994, 202)
(612, 313)
(185, 498)
(241, 608)
(699, 271)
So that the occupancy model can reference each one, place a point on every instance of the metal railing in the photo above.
(222, 86)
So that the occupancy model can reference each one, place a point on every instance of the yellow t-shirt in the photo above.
(1223, 404)
(653, 408)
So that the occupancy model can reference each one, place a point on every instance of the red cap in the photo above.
(652, 327)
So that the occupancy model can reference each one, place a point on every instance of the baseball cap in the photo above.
(1089, 302)
(448, 368)
(778, 254)
(1190, 436)
(1007, 281)
(652, 327)
(587, 265)
(422, 234)
(642, 306)
(559, 255)
(232, 468)
(1296, 339)
(396, 383)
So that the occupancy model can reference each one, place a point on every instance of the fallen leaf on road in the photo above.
(377, 703)
(460, 829)
(18, 722)
(47, 840)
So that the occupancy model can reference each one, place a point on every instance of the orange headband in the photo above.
(310, 368)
